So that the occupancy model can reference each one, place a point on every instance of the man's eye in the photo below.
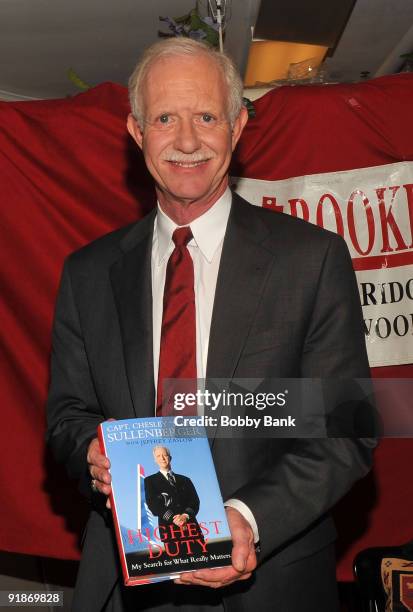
(207, 118)
(164, 118)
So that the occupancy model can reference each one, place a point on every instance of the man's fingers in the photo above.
(243, 552)
(99, 468)
(95, 457)
(239, 557)
(100, 474)
(220, 574)
(92, 449)
(214, 579)
(199, 582)
(243, 556)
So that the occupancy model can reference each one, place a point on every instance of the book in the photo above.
(167, 507)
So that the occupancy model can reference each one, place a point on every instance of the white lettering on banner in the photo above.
(372, 208)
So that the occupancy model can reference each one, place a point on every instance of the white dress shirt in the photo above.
(205, 248)
(166, 472)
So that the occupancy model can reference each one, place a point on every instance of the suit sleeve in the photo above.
(73, 412)
(292, 495)
(191, 499)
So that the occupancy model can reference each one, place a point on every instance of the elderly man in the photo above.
(171, 497)
(208, 286)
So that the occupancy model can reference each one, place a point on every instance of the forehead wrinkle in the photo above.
(163, 93)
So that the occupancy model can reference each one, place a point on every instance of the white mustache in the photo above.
(188, 158)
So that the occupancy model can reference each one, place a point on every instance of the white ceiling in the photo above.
(101, 39)
(377, 33)
(41, 39)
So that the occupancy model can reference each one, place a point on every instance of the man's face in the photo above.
(162, 458)
(187, 139)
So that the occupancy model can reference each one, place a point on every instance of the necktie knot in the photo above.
(181, 236)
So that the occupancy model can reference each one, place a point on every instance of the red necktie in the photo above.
(177, 356)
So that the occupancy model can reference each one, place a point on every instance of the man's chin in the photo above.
(185, 199)
(195, 194)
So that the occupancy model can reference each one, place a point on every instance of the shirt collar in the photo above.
(166, 472)
(208, 230)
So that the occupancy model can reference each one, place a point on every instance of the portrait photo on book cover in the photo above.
(173, 498)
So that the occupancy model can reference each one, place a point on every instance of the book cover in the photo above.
(167, 508)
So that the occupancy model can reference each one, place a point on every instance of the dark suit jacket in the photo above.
(165, 500)
(286, 305)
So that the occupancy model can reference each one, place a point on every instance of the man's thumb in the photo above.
(240, 556)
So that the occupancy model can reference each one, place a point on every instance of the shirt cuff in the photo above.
(243, 509)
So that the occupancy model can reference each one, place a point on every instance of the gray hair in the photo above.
(184, 47)
(155, 448)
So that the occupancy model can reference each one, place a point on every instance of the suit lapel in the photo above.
(245, 265)
(132, 287)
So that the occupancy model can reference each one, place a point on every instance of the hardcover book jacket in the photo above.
(166, 503)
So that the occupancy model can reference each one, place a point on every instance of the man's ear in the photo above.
(239, 125)
(135, 130)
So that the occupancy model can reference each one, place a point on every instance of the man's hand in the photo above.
(244, 560)
(99, 469)
(180, 519)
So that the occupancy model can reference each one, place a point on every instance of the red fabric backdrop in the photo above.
(69, 173)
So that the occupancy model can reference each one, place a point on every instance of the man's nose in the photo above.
(186, 137)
